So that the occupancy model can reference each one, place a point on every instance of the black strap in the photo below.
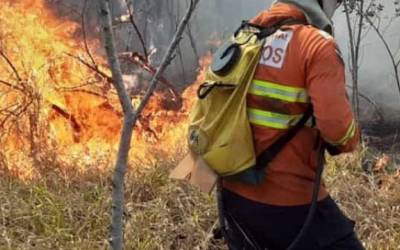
(269, 30)
(271, 152)
(314, 200)
(204, 90)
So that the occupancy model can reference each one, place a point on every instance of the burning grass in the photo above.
(58, 213)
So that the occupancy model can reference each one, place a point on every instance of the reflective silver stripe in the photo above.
(279, 91)
(272, 120)
(350, 133)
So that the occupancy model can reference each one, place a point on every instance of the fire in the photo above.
(49, 99)
(191, 92)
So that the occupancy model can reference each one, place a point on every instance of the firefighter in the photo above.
(300, 65)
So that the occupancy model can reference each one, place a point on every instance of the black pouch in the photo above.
(252, 176)
(225, 58)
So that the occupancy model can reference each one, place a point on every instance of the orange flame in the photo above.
(77, 111)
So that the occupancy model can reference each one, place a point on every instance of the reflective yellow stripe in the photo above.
(350, 133)
(279, 91)
(272, 120)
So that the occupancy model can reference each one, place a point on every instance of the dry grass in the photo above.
(56, 213)
(373, 200)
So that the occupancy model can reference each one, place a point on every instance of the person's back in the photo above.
(300, 66)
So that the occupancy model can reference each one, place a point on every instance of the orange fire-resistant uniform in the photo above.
(300, 64)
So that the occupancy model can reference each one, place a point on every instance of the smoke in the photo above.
(376, 75)
(157, 21)
(376, 70)
(214, 21)
(218, 19)
(224, 16)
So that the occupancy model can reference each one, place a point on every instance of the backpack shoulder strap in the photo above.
(266, 31)
(272, 151)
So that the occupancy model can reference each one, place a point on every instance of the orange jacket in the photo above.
(299, 65)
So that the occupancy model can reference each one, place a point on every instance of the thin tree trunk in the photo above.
(357, 60)
(131, 116)
(352, 51)
(193, 45)
(127, 129)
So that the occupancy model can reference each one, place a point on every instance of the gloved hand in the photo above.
(333, 150)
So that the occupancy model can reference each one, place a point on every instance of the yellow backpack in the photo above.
(219, 130)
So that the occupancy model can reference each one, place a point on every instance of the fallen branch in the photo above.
(168, 57)
(69, 117)
(142, 62)
(76, 87)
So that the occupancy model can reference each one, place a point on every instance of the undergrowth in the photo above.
(54, 213)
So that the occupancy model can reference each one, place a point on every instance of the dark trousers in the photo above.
(251, 225)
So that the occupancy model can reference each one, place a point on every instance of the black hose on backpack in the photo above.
(314, 201)
(226, 227)
(220, 207)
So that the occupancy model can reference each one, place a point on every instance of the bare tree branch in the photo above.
(169, 55)
(135, 27)
(353, 56)
(83, 24)
(388, 49)
(193, 44)
(92, 67)
(85, 91)
(19, 109)
(10, 85)
(378, 110)
(14, 69)
(131, 116)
